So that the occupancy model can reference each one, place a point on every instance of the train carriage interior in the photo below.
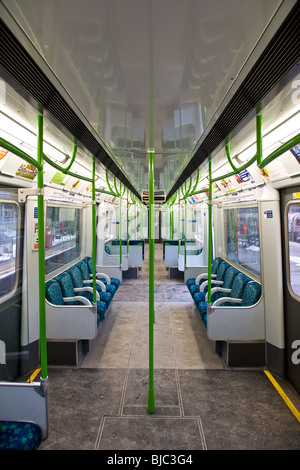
(150, 225)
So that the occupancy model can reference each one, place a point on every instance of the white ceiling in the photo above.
(148, 73)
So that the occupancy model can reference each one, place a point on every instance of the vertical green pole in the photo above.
(120, 230)
(94, 230)
(209, 233)
(41, 229)
(151, 407)
(179, 227)
(259, 139)
(127, 224)
(185, 228)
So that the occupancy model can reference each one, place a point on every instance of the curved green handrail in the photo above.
(283, 148)
(257, 157)
(20, 153)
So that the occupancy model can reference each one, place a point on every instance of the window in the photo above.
(62, 236)
(242, 237)
(9, 216)
(293, 224)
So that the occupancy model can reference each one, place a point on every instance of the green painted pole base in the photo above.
(151, 401)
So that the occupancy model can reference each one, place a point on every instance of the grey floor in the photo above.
(199, 404)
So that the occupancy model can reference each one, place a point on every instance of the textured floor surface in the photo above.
(199, 404)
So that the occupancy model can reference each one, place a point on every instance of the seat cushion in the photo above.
(53, 292)
(16, 435)
(202, 308)
(251, 294)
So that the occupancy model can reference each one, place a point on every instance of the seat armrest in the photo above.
(87, 289)
(106, 277)
(218, 289)
(78, 298)
(205, 283)
(222, 300)
(99, 283)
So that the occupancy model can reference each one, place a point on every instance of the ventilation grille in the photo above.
(279, 57)
(19, 66)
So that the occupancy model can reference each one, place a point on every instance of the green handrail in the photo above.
(108, 184)
(94, 230)
(209, 232)
(283, 148)
(13, 149)
(257, 157)
(41, 251)
(127, 223)
(151, 407)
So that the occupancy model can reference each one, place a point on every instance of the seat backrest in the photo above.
(82, 265)
(89, 262)
(53, 292)
(238, 286)
(76, 276)
(215, 264)
(66, 284)
(229, 277)
(222, 270)
(251, 293)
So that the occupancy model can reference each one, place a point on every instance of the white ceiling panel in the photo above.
(147, 73)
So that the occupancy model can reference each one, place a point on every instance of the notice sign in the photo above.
(3, 153)
(35, 237)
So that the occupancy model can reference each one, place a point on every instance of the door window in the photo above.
(9, 217)
(293, 226)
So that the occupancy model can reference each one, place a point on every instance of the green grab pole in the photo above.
(94, 230)
(185, 228)
(120, 230)
(179, 231)
(283, 148)
(74, 152)
(209, 233)
(104, 192)
(16, 151)
(41, 252)
(108, 184)
(192, 191)
(259, 139)
(127, 223)
(67, 168)
(257, 157)
(151, 406)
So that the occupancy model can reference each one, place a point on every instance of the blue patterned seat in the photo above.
(65, 281)
(105, 297)
(214, 267)
(66, 285)
(114, 281)
(82, 265)
(251, 294)
(237, 291)
(16, 435)
(219, 280)
(53, 293)
(216, 291)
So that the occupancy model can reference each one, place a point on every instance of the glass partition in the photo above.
(193, 244)
(62, 236)
(242, 236)
(9, 217)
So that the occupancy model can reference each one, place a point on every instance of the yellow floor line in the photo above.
(33, 376)
(283, 395)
